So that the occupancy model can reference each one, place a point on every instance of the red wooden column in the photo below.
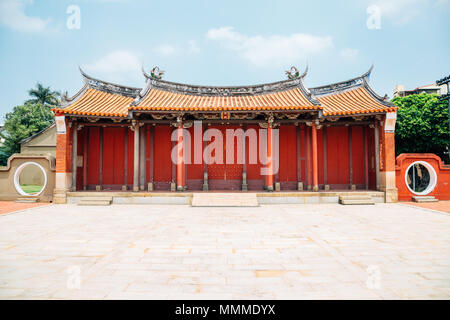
(366, 158)
(314, 157)
(180, 157)
(270, 154)
(308, 157)
(85, 157)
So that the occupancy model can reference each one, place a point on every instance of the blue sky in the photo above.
(220, 42)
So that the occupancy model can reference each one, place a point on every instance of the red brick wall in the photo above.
(442, 188)
(64, 151)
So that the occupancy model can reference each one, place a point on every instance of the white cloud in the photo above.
(403, 11)
(117, 66)
(12, 15)
(276, 49)
(349, 53)
(193, 48)
(165, 50)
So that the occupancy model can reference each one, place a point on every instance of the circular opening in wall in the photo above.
(420, 178)
(30, 179)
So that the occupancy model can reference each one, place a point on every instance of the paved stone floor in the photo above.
(325, 251)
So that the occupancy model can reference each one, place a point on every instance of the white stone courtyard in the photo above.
(317, 251)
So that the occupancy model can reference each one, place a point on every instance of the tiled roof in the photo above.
(352, 101)
(98, 103)
(158, 99)
(99, 98)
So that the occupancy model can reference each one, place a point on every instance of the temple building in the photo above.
(334, 137)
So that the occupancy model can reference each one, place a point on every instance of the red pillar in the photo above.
(180, 159)
(314, 158)
(308, 158)
(269, 157)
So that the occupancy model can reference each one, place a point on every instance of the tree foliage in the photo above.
(422, 125)
(21, 123)
(43, 95)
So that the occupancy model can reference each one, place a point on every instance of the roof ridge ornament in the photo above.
(156, 73)
(292, 73)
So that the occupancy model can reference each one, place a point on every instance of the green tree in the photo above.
(43, 95)
(21, 123)
(422, 125)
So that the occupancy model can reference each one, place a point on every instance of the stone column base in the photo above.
(205, 186)
(150, 186)
(326, 187)
(299, 186)
(390, 195)
(124, 188)
(277, 186)
(60, 196)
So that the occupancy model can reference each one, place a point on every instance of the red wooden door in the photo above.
(223, 174)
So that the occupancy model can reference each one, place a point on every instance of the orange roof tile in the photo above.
(354, 101)
(158, 99)
(99, 103)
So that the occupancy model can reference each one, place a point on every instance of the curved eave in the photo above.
(359, 112)
(85, 113)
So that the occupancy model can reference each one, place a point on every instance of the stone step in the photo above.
(356, 199)
(96, 202)
(424, 199)
(27, 200)
(98, 198)
(224, 200)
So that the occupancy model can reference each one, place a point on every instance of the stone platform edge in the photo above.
(185, 198)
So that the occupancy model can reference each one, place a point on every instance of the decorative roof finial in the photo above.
(292, 73)
(156, 73)
(367, 74)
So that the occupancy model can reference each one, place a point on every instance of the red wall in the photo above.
(287, 154)
(337, 158)
(442, 189)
